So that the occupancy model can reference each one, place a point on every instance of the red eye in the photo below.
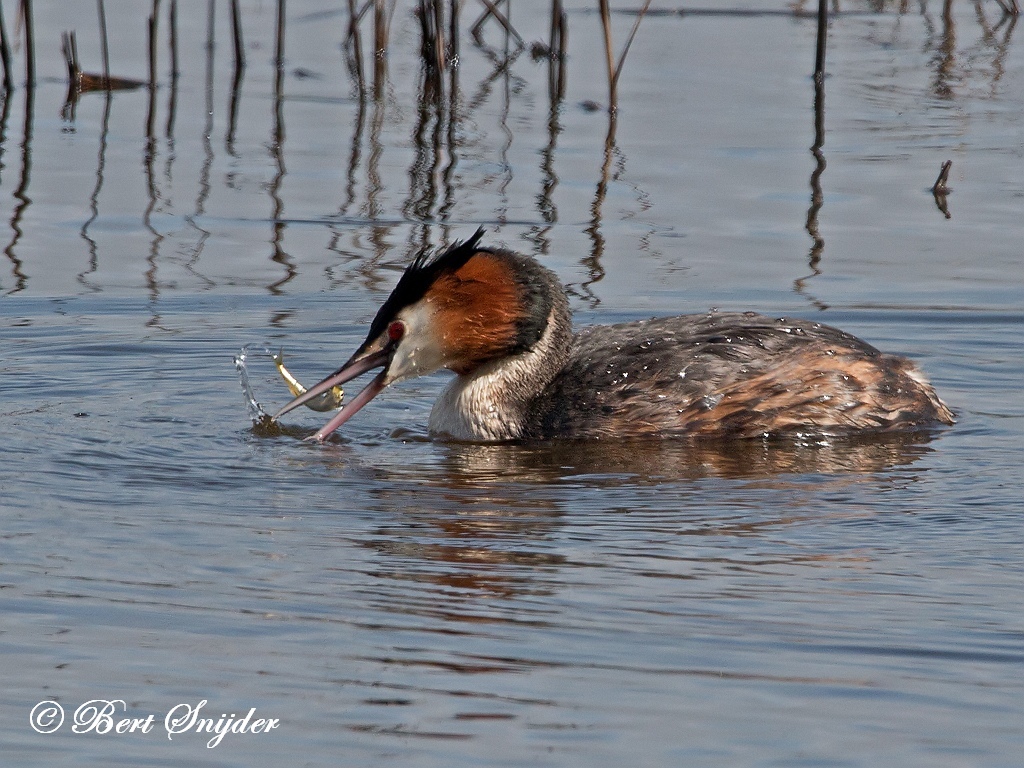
(396, 330)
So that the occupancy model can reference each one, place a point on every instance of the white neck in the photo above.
(490, 404)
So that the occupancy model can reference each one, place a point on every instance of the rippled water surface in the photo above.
(397, 601)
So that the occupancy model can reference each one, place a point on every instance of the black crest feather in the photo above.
(425, 269)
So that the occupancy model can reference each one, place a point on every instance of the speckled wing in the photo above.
(729, 374)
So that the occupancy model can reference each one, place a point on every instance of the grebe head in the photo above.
(458, 309)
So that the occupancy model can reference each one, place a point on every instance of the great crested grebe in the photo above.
(501, 322)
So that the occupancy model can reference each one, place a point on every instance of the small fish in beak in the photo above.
(330, 400)
(358, 365)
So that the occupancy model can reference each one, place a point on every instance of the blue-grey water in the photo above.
(392, 600)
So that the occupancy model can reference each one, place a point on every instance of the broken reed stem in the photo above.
(940, 187)
(69, 47)
(615, 68)
(104, 47)
(629, 40)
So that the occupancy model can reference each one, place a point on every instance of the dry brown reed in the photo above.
(615, 66)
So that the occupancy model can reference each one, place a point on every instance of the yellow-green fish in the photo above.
(328, 401)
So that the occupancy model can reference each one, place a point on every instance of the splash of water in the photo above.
(263, 423)
(260, 418)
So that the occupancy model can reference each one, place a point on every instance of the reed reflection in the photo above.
(436, 180)
(817, 196)
(206, 140)
(236, 95)
(94, 206)
(340, 224)
(277, 153)
(944, 61)
(370, 232)
(440, 111)
(990, 39)
(379, 232)
(502, 60)
(953, 67)
(152, 189)
(21, 191)
(427, 140)
(592, 263)
(546, 206)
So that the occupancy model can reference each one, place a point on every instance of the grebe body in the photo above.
(501, 322)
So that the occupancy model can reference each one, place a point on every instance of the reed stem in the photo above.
(104, 46)
(236, 34)
(30, 44)
(5, 55)
(819, 54)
